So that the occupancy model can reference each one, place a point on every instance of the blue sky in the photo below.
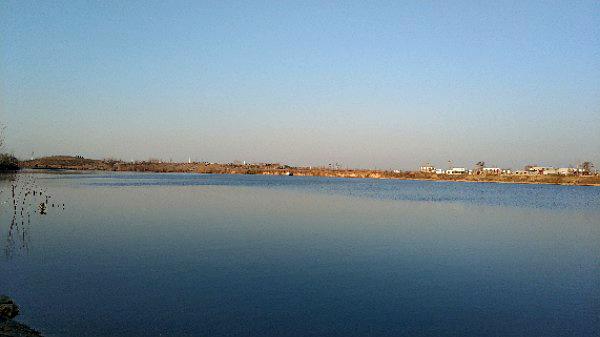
(365, 84)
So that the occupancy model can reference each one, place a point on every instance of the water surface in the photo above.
(211, 255)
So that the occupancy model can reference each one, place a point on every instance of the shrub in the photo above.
(8, 162)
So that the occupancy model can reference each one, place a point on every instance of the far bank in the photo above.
(80, 163)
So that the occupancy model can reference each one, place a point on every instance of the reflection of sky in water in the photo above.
(187, 255)
(522, 195)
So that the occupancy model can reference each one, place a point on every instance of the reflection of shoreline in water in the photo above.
(26, 197)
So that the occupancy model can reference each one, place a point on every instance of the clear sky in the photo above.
(365, 84)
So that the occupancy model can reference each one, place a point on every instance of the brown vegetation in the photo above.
(8, 162)
(79, 163)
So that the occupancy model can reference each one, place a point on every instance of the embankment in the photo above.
(78, 163)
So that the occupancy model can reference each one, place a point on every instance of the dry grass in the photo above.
(77, 163)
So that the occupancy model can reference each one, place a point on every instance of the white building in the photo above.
(457, 170)
(541, 170)
(492, 170)
(550, 170)
(566, 171)
(427, 169)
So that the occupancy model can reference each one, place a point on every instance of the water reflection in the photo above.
(26, 196)
(244, 258)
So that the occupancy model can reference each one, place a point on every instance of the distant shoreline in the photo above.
(82, 164)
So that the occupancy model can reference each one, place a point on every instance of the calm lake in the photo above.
(230, 255)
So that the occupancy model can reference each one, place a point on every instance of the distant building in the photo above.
(550, 170)
(427, 168)
(566, 171)
(492, 170)
(439, 171)
(457, 170)
(541, 170)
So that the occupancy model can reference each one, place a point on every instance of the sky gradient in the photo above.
(378, 85)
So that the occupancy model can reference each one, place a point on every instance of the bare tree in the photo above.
(8, 162)
(587, 166)
(479, 167)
